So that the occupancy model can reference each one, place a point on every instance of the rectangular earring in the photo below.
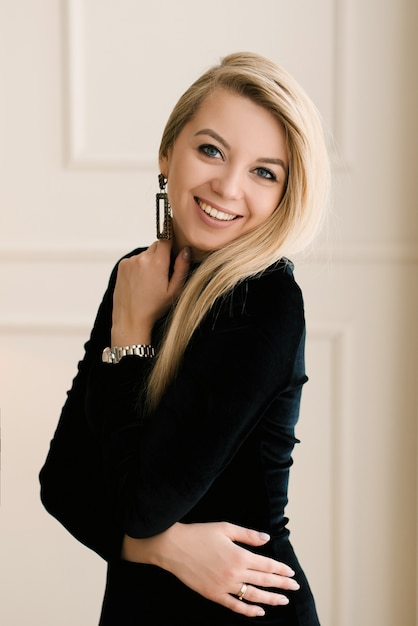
(163, 210)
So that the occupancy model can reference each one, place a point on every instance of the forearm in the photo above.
(150, 550)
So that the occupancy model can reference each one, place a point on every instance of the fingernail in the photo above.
(264, 536)
(186, 253)
(294, 585)
(291, 572)
(260, 612)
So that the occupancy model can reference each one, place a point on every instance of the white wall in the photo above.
(86, 88)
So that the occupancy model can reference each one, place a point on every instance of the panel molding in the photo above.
(367, 252)
(54, 326)
(332, 254)
(341, 37)
(338, 335)
(79, 156)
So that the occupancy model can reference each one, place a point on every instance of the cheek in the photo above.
(181, 179)
(267, 208)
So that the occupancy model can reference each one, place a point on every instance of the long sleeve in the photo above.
(109, 471)
(73, 488)
(246, 354)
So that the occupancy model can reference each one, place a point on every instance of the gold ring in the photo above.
(241, 592)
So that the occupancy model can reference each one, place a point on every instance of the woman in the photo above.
(172, 454)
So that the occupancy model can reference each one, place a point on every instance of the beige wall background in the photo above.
(86, 86)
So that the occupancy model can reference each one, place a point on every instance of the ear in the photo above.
(164, 166)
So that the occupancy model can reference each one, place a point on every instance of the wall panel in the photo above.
(88, 85)
(115, 65)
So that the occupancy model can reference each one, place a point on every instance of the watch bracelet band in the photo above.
(115, 354)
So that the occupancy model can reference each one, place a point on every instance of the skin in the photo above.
(230, 157)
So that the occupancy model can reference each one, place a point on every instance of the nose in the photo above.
(229, 184)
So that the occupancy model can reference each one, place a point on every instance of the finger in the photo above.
(268, 565)
(157, 259)
(255, 538)
(249, 605)
(153, 247)
(262, 596)
(245, 535)
(180, 271)
(249, 610)
(162, 246)
(261, 579)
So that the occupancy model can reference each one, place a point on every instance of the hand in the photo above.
(206, 558)
(144, 292)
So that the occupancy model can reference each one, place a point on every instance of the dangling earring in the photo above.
(163, 203)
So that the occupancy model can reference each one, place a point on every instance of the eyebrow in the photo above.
(212, 133)
(274, 162)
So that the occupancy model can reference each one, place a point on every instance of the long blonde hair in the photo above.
(291, 227)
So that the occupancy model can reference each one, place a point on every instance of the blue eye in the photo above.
(264, 173)
(211, 151)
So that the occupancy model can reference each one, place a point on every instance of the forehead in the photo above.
(240, 121)
(222, 102)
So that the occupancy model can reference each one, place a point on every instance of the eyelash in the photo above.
(207, 147)
(205, 150)
(271, 175)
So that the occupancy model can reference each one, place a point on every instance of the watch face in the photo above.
(107, 355)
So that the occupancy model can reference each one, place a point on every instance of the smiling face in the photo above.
(226, 172)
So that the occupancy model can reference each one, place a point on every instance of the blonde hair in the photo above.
(291, 227)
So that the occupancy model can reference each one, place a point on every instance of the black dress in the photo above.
(217, 448)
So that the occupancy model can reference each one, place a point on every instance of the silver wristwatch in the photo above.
(115, 354)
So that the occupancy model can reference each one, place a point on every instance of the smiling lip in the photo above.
(214, 213)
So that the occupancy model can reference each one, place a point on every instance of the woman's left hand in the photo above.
(207, 558)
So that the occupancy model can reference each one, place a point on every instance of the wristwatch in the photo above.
(115, 354)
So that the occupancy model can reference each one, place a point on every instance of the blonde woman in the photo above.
(172, 454)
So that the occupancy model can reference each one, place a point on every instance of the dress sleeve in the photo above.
(234, 368)
(73, 488)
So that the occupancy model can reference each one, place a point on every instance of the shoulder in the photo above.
(274, 291)
(276, 288)
(270, 303)
(261, 321)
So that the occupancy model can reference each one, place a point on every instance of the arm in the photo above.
(73, 487)
(206, 558)
(234, 368)
(71, 479)
(178, 470)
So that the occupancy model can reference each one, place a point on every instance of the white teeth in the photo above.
(218, 215)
